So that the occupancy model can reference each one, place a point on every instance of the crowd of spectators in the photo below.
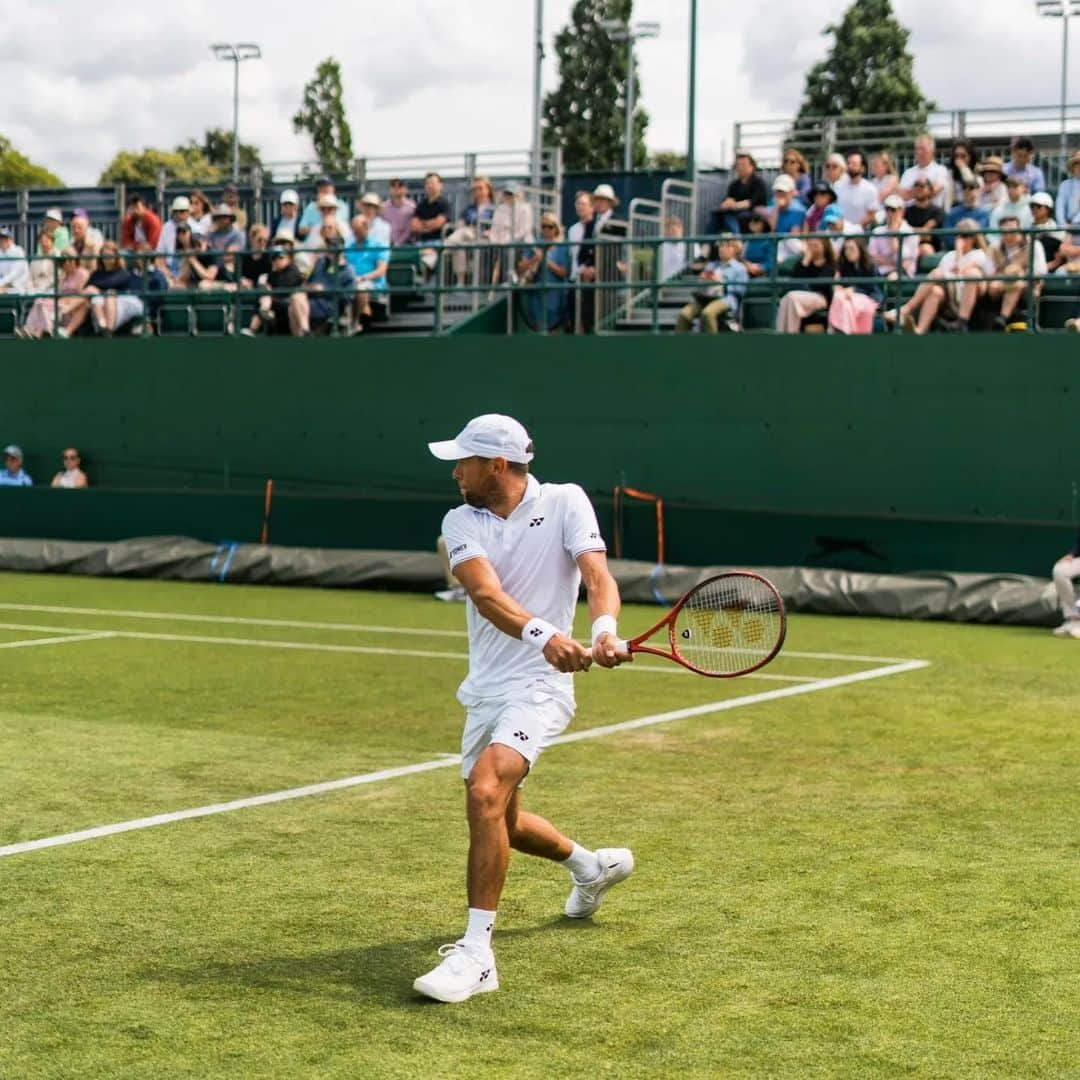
(886, 225)
(70, 475)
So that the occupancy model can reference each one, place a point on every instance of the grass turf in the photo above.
(874, 880)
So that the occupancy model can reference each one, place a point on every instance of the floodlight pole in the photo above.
(618, 30)
(235, 54)
(538, 65)
(1063, 10)
(691, 160)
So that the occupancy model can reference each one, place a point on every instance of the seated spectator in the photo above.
(1068, 196)
(604, 203)
(883, 175)
(856, 197)
(992, 173)
(512, 223)
(924, 215)
(942, 294)
(257, 261)
(1017, 204)
(288, 216)
(1042, 214)
(179, 214)
(745, 191)
(52, 225)
(824, 197)
(14, 475)
(581, 252)
(224, 233)
(966, 208)
(893, 255)
(796, 166)
(833, 172)
(311, 220)
(379, 231)
(833, 221)
(432, 213)
(720, 296)
(329, 207)
(925, 168)
(673, 251)
(473, 225)
(71, 476)
(398, 211)
(43, 270)
(854, 305)
(331, 288)
(369, 258)
(48, 313)
(14, 269)
(192, 264)
(224, 273)
(1011, 255)
(115, 294)
(231, 197)
(545, 269)
(758, 251)
(202, 219)
(788, 217)
(818, 269)
(85, 239)
(961, 170)
(284, 308)
(155, 284)
(1022, 164)
(140, 225)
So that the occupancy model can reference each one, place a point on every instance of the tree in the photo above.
(868, 70)
(185, 164)
(217, 148)
(586, 115)
(18, 171)
(322, 116)
(668, 160)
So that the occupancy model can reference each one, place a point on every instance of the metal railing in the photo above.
(630, 291)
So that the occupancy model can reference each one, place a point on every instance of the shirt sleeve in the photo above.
(461, 543)
(581, 531)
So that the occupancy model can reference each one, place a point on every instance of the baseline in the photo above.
(445, 761)
(29, 643)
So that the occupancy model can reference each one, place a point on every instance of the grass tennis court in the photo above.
(866, 868)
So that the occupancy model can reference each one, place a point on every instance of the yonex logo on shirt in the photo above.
(535, 522)
(458, 550)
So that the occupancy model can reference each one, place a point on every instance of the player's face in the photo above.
(477, 481)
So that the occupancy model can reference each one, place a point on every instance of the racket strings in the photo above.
(729, 625)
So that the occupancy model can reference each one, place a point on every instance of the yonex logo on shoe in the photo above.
(521, 735)
(535, 522)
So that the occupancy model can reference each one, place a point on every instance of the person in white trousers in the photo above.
(1066, 571)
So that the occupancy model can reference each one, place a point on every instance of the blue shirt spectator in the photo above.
(968, 209)
(364, 256)
(311, 218)
(547, 270)
(13, 474)
(732, 276)
(1068, 196)
(1020, 164)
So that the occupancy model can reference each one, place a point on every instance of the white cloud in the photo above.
(424, 76)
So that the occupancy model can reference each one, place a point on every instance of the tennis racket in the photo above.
(728, 625)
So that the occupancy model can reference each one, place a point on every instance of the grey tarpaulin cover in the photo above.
(983, 598)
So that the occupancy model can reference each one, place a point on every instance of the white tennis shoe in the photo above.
(1069, 628)
(616, 864)
(459, 976)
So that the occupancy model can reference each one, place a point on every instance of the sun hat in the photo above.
(822, 188)
(991, 164)
(326, 201)
(54, 214)
(1041, 198)
(223, 210)
(606, 191)
(181, 202)
(489, 436)
(370, 198)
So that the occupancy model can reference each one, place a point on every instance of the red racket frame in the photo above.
(637, 644)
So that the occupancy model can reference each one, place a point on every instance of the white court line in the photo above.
(317, 646)
(366, 628)
(445, 761)
(30, 642)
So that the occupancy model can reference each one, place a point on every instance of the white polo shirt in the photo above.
(534, 551)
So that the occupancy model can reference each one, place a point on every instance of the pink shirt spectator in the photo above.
(398, 210)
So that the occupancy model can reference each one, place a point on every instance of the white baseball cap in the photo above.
(1042, 198)
(489, 436)
(289, 196)
(783, 183)
(181, 202)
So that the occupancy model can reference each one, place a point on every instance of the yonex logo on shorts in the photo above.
(521, 735)
(535, 522)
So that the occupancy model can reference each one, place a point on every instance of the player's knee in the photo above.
(486, 798)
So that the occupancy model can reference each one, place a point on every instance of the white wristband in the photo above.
(537, 632)
(604, 624)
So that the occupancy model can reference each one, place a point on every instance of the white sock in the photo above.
(583, 864)
(478, 932)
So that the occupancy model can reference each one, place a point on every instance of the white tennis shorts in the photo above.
(527, 723)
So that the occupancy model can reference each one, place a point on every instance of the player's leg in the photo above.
(1065, 572)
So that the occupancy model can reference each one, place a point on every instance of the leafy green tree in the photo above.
(217, 148)
(322, 116)
(868, 70)
(667, 160)
(185, 164)
(586, 115)
(18, 171)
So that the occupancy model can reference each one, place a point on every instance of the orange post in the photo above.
(266, 511)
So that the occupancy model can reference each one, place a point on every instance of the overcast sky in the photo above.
(84, 81)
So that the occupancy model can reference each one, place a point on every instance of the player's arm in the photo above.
(506, 614)
(604, 607)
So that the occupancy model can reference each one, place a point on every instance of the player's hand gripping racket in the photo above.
(729, 625)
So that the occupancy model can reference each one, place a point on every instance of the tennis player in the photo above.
(521, 550)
